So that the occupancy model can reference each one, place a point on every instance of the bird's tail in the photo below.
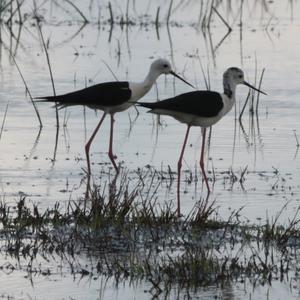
(45, 99)
(149, 105)
(55, 99)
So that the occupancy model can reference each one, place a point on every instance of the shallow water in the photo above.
(268, 147)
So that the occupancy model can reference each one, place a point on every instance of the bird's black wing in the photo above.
(103, 94)
(199, 103)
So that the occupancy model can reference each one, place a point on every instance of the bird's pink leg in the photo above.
(110, 151)
(179, 164)
(202, 159)
(88, 144)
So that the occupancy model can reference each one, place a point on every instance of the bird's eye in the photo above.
(240, 76)
(165, 65)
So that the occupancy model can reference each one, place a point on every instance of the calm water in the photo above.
(267, 147)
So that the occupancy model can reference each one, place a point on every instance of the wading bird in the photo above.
(112, 97)
(200, 108)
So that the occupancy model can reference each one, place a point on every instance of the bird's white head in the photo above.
(163, 66)
(232, 77)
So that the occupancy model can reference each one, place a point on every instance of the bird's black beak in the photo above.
(177, 76)
(252, 87)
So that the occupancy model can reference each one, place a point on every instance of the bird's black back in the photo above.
(200, 103)
(104, 94)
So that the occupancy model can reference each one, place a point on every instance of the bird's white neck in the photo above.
(229, 86)
(142, 88)
(150, 79)
(229, 93)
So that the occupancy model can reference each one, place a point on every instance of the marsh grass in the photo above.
(128, 234)
(3, 121)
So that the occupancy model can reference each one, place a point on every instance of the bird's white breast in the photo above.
(138, 90)
(228, 104)
(190, 119)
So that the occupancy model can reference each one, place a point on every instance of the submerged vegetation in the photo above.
(127, 235)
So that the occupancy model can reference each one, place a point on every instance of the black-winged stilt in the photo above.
(112, 97)
(200, 108)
